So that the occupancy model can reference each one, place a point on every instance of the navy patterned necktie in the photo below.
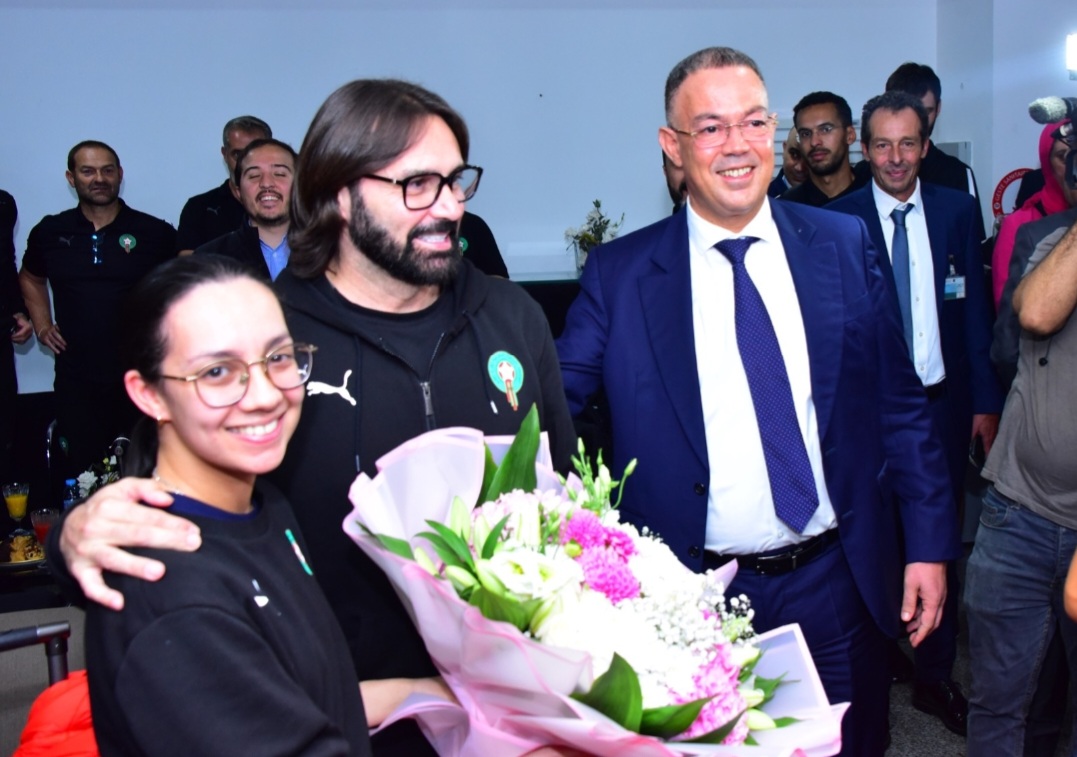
(792, 484)
(899, 258)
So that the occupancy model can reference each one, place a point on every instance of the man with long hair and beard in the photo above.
(411, 337)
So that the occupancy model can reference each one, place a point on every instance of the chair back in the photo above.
(25, 671)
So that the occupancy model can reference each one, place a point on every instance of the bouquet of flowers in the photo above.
(554, 622)
(597, 228)
(98, 475)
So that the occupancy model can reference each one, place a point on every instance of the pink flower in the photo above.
(717, 678)
(585, 528)
(606, 572)
(620, 542)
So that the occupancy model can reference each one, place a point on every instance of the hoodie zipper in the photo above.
(428, 405)
(427, 390)
(425, 387)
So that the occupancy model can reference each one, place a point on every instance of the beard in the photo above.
(403, 262)
(280, 219)
(829, 165)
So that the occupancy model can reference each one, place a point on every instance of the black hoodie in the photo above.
(385, 402)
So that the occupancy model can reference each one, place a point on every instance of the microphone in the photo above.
(1048, 110)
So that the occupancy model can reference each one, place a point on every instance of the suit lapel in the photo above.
(666, 302)
(870, 214)
(817, 277)
(936, 234)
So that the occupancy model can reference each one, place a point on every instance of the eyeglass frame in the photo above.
(823, 130)
(245, 377)
(442, 182)
(771, 119)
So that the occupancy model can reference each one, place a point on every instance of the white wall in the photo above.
(563, 98)
(964, 65)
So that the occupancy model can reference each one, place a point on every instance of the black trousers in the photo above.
(8, 391)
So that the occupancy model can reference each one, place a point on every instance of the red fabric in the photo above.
(1051, 198)
(59, 723)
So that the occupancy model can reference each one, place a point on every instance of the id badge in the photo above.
(955, 288)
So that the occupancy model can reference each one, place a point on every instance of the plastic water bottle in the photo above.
(71, 493)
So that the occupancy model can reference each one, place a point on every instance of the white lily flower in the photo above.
(759, 721)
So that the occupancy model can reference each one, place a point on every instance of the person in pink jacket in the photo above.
(1053, 198)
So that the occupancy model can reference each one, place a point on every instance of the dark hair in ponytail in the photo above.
(143, 343)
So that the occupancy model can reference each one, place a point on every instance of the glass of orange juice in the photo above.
(15, 496)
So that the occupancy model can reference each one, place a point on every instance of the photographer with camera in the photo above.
(1054, 197)
(1028, 529)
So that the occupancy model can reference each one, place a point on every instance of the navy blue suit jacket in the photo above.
(965, 323)
(631, 331)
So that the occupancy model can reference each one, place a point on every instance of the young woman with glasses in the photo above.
(235, 649)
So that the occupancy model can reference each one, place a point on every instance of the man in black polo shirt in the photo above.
(91, 256)
(217, 212)
(825, 131)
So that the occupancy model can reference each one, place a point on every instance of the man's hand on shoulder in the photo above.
(925, 593)
(113, 517)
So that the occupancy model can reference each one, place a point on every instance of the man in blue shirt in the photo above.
(263, 176)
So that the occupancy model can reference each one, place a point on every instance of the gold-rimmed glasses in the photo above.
(224, 383)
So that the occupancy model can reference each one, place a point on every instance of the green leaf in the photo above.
(444, 551)
(517, 469)
(749, 741)
(717, 736)
(490, 545)
(667, 722)
(455, 542)
(497, 607)
(397, 546)
(617, 695)
(784, 722)
(488, 471)
(768, 686)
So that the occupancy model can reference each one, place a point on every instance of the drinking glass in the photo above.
(15, 496)
(42, 521)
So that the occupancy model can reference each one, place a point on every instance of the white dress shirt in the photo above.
(740, 508)
(926, 344)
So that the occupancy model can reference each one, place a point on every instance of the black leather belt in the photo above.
(935, 391)
(779, 561)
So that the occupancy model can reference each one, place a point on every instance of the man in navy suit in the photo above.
(948, 329)
(658, 325)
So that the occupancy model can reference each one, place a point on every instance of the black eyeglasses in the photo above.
(422, 190)
(97, 239)
(224, 383)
